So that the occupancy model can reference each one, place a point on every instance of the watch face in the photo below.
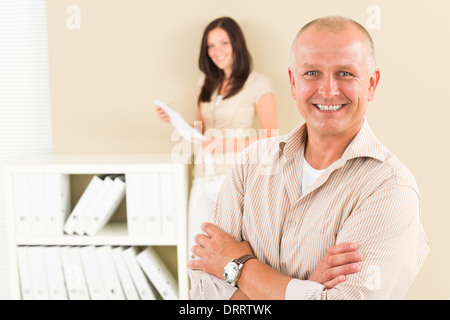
(231, 271)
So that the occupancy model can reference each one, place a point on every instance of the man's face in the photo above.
(331, 82)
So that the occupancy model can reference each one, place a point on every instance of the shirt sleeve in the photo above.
(262, 85)
(227, 214)
(304, 290)
(389, 234)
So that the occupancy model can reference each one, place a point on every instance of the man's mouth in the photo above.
(334, 107)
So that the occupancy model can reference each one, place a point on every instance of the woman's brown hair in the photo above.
(242, 61)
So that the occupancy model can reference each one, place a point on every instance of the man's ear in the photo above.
(373, 83)
(292, 82)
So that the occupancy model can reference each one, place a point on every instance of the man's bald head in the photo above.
(337, 24)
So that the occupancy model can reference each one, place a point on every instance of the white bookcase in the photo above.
(114, 233)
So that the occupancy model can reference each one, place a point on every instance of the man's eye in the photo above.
(311, 73)
(345, 74)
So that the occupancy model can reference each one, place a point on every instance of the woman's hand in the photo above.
(162, 115)
(209, 145)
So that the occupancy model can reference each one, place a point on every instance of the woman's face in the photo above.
(220, 50)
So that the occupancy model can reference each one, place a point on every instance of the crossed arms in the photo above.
(258, 280)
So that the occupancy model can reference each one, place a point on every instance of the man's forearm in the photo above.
(259, 282)
(239, 295)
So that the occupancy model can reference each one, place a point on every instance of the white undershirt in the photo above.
(309, 176)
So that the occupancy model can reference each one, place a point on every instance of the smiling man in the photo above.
(328, 183)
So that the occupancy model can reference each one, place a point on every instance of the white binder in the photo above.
(57, 202)
(135, 221)
(83, 202)
(22, 204)
(152, 204)
(111, 282)
(107, 206)
(126, 281)
(26, 286)
(92, 273)
(140, 281)
(167, 187)
(93, 206)
(55, 277)
(158, 273)
(37, 204)
(73, 274)
(38, 274)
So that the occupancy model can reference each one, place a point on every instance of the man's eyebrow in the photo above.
(346, 67)
(308, 66)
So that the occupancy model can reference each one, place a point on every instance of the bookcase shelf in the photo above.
(114, 233)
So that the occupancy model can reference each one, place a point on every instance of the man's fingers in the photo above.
(340, 261)
(211, 229)
(335, 272)
(334, 282)
(201, 239)
(195, 265)
(344, 258)
(343, 247)
(199, 251)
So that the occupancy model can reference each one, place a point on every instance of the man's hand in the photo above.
(340, 260)
(216, 249)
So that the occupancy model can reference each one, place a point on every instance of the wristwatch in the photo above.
(233, 269)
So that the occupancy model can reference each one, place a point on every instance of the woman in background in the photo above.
(229, 97)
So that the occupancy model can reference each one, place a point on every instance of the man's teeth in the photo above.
(329, 108)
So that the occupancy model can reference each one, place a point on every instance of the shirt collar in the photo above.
(364, 144)
(294, 141)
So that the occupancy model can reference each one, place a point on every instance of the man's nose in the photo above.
(329, 87)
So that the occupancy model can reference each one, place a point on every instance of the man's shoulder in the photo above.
(388, 171)
(400, 173)
(264, 146)
(263, 154)
(380, 163)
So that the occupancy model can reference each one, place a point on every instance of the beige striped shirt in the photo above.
(368, 197)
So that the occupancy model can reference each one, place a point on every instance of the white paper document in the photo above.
(184, 128)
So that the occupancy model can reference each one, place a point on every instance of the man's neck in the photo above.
(322, 151)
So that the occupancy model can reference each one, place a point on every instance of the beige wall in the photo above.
(105, 75)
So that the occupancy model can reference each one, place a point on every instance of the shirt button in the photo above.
(293, 224)
(283, 265)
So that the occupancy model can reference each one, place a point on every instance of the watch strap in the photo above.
(244, 258)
